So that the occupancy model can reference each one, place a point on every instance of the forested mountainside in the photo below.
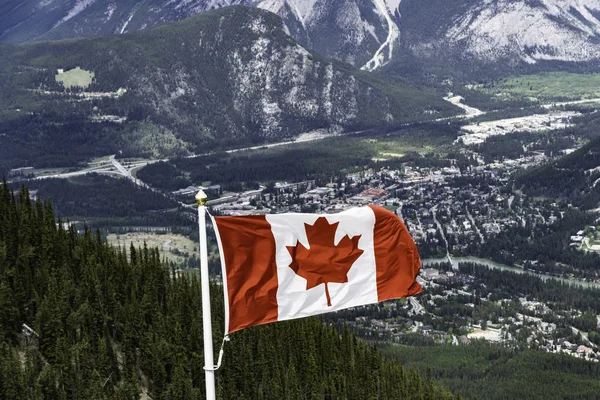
(365, 33)
(573, 177)
(224, 78)
(349, 30)
(108, 323)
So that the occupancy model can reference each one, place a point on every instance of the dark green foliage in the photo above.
(548, 244)
(302, 359)
(571, 177)
(94, 195)
(324, 160)
(164, 175)
(109, 325)
(497, 148)
(486, 371)
(50, 140)
(335, 157)
(563, 296)
(496, 108)
(105, 201)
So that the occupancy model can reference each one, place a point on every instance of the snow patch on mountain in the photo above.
(370, 28)
(258, 26)
(563, 30)
(327, 105)
(302, 9)
(354, 35)
(349, 20)
(43, 3)
(271, 5)
(79, 6)
(569, 9)
(381, 56)
(192, 7)
(393, 5)
(124, 27)
(110, 10)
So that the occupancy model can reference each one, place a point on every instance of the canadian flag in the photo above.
(286, 266)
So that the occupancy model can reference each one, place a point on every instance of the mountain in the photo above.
(364, 33)
(227, 77)
(494, 32)
(360, 32)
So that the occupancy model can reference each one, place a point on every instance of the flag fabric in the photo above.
(283, 266)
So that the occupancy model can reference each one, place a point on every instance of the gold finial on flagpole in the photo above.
(201, 198)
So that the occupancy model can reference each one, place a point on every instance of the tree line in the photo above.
(482, 370)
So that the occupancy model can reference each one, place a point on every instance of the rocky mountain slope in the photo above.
(228, 77)
(364, 33)
(494, 31)
(354, 31)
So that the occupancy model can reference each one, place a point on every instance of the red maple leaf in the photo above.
(324, 262)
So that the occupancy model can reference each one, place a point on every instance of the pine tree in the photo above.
(9, 313)
(12, 382)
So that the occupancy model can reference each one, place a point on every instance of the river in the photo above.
(494, 265)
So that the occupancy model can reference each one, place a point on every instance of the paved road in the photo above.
(119, 167)
(584, 335)
(566, 103)
(433, 210)
(475, 226)
(416, 306)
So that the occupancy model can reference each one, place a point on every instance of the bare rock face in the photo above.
(517, 32)
(367, 34)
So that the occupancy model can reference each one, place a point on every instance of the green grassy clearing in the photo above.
(422, 140)
(75, 77)
(544, 87)
(175, 248)
(399, 147)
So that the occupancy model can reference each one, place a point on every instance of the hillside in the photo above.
(573, 177)
(105, 323)
(486, 371)
(488, 37)
(224, 78)
(459, 37)
(349, 30)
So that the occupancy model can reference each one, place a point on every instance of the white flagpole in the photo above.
(209, 366)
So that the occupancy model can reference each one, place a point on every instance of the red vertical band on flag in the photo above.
(249, 253)
(396, 257)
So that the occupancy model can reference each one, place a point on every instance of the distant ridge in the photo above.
(365, 33)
